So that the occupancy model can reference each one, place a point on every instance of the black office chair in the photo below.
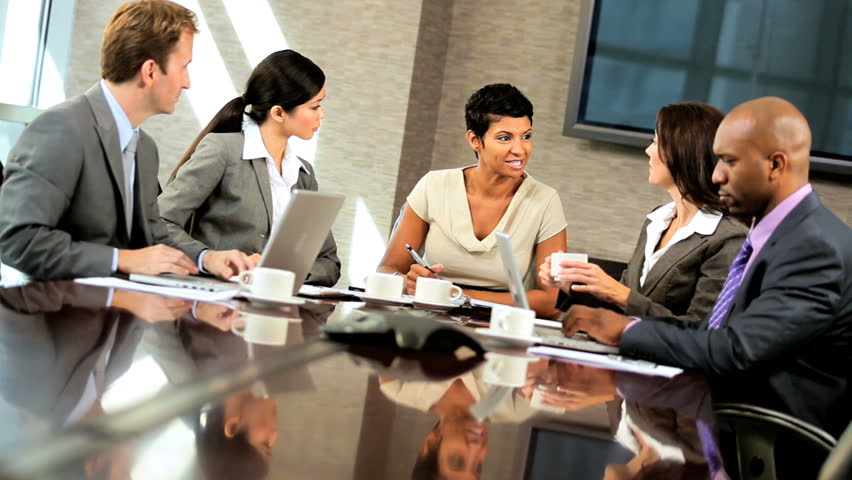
(769, 444)
(839, 462)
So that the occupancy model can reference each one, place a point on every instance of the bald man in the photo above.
(780, 334)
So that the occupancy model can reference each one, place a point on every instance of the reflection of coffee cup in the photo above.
(506, 370)
(264, 329)
(537, 401)
(506, 320)
(268, 283)
(384, 285)
(557, 258)
(434, 290)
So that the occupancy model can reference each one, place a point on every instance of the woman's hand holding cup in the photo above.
(416, 271)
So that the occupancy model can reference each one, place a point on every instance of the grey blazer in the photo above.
(232, 204)
(686, 280)
(61, 201)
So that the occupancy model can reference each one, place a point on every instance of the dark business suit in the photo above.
(787, 342)
(62, 199)
(685, 280)
(231, 200)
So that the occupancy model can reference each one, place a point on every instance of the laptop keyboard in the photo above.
(580, 341)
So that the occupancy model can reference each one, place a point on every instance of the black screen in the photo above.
(644, 54)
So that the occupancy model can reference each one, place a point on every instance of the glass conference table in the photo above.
(164, 388)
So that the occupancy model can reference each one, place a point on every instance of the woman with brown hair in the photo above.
(687, 245)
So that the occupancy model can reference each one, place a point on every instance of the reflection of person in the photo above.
(235, 439)
(79, 199)
(686, 246)
(234, 182)
(454, 213)
(783, 322)
(458, 445)
(80, 346)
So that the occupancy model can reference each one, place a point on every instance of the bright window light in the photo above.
(368, 242)
(212, 86)
(20, 36)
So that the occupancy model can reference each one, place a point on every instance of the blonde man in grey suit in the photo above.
(79, 198)
(234, 182)
(686, 247)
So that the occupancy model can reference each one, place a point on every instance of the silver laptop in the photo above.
(294, 244)
(519, 296)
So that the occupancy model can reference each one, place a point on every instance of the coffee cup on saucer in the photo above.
(506, 370)
(437, 291)
(512, 321)
(557, 258)
(263, 329)
(385, 286)
(269, 284)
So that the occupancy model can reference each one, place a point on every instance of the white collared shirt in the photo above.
(702, 223)
(280, 183)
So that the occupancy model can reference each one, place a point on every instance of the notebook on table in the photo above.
(294, 244)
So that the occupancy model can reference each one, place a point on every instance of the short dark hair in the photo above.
(285, 78)
(139, 31)
(490, 102)
(685, 133)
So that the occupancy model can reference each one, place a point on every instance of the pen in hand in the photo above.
(417, 259)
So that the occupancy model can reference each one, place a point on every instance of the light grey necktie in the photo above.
(129, 158)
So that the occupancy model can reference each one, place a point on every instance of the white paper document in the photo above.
(612, 362)
(316, 291)
(187, 293)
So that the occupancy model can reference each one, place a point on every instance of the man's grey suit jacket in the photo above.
(61, 205)
(787, 342)
(225, 201)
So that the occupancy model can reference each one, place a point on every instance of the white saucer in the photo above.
(506, 337)
(441, 307)
(385, 302)
(272, 302)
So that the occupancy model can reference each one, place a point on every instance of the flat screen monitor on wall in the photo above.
(632, 57)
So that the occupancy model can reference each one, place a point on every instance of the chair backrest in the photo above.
(839, 462)
(766, 442)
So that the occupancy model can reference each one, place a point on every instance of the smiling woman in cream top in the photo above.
(534, 214)
(453, 214)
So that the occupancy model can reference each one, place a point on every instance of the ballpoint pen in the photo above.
(417, 258)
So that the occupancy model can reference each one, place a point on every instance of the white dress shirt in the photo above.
(280, 183)
(703, 223)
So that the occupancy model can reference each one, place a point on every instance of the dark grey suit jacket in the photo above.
(62, 199)
(231, 200)
(787, 341)
(687, 278)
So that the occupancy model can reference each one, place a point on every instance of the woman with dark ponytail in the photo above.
(234, 182)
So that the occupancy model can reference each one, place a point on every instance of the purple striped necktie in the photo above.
(732, 283)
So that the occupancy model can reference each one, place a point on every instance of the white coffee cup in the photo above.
(557, 258)
(385, 285)
(506, 320)
(506, 370)
(263, 329)
(435, 290)
(268, 283)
